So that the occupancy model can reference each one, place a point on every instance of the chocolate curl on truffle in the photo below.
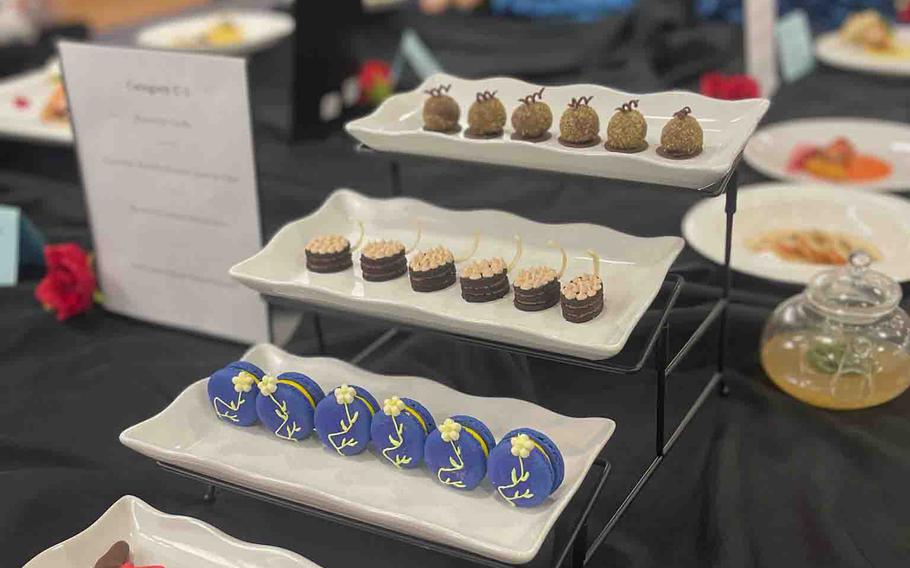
(518, 250)
(416, 240)
(683, 112)
(565, 259)
(538, 96)
(469, 254)
(438, 91)
(626, 107)
(596, 259)
(486, 96)
(580, 101)
(360, 238)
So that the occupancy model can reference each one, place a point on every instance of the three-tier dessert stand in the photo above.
(572, 545)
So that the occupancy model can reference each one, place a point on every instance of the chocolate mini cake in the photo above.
(440, 111)
(486, 117)
(383, 260)
(536, 289)
(579, 124)
(532, 119)
(432, 270)
(682, 136)
(484, 280)
(582, 299)
(627, 129)
(328, 253)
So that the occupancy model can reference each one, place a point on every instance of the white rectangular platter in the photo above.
(397, 126)
(156, 538)
(25, 123)
(632, 268)
(362, 487)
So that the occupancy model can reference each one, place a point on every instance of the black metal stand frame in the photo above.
(576, 551)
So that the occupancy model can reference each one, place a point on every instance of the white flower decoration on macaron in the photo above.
(345, 394)
(243, 382)
(522, 445)
(450, 430)
(393, 406)
(268, 385)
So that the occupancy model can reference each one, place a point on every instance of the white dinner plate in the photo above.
(156, 538)
(188, 434)
(25, 123)
(770, 149)
(397, 126)
(882, 220)
(831, 49)
(633, 269)
(261, 29)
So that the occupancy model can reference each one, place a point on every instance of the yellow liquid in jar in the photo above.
(784, 360)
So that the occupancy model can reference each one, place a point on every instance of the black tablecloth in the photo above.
(758, 479)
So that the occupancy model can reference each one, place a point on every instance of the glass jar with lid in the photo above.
(844, 343)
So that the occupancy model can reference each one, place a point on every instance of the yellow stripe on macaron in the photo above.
(369, 406)
(419, 418)
(300, 388)
(483, 445)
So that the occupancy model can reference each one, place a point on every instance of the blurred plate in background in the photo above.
(830, 48)
(881, 220)
(257, 31)
(771, 148)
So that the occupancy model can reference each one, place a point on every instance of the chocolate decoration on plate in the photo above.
(532, 119)
(381, 261)
(441, 111)
(432, 270)
(627, 130)
(682, 136)
(579, 124)
(328, 253)
(486, 117)
(115, 557)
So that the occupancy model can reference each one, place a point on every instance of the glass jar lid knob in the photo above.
(855, 293)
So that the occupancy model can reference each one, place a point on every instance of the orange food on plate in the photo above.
(812, 246)
(56, 108)
(838, 161)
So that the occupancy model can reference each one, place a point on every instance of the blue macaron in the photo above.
(343, 419)
(399, 431)
(233, 391)
(457, 452)
(526, 467)
(287, 404)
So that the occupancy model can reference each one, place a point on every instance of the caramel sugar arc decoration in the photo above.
(596, 259)
(411, 248)
(518, 250)
(470, 253)
(359, 238)
(565, 258)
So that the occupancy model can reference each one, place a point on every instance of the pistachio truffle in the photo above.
(681, 137)
(532, 119)
(579, 124)
(487, 116)
(627, 129)
(440, 111)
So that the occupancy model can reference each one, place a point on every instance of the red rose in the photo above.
(375, 79)
(729, 87)
(903, 14)
(68, 288)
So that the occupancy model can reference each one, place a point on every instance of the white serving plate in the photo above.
(883, 220)
(633, 269)
(397, 126)
(769, 149)
(156, 538)
(188, 434)
(261, 29)
(831, 49)
(26, 124)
